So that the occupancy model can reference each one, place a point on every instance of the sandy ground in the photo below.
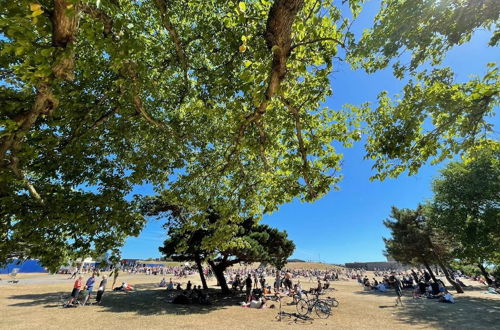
(34, 303)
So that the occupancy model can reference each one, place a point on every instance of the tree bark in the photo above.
(429, 269)
(485, 274)
(64, 19)
(457, 286)
(219, 274)
(278, 37)
(200, 270)
(415, 277)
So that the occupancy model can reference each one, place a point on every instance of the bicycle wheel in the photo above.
(302, 307)
(332, 302)
(322, 310)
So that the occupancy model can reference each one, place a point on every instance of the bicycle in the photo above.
(281, 315)
(330, 301)
(321, 308)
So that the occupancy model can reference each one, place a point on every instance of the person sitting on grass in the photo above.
(366, 284)
(181, 299)
(319, 288)
(76, 290)
(262, 282)
(447, 298)
(297, 293)
(188, 286)
(236, 283)
(170, 285)
(178, 287)
(163, 283)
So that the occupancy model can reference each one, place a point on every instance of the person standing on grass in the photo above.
(102, 288)
(248, 284)
(74, 273)
(89, 286)
(262, 282)
(398, 287)
(76, 290)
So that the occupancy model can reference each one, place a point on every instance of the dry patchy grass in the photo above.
(37, 306)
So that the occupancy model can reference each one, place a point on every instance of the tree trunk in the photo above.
(485, 274)
(429, 269)
(219, 274)
(415, 277)
(457, 286)
(200, 270)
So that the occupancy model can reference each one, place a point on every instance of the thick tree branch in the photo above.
(278, 37)
(179, 48)
(98, 14)
(302, 148)
(131, 73)
(303, 43)
(262, 144)
(64, 28)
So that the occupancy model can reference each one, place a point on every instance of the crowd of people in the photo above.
(255, 284)
(421, 283)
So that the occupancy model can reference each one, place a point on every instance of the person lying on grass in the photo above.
(259, 303)
(125, 287)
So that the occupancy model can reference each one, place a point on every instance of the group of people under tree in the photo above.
(459, 225)
(87, 290)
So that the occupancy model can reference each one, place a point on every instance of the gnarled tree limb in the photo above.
(278, 37)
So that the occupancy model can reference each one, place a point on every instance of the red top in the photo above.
(78, 284)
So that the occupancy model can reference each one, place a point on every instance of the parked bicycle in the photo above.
(330, 301)
(282, 315)
(320, 307)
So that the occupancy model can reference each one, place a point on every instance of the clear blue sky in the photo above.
(346, 226)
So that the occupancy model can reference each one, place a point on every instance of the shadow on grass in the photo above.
(49, 300)
(146, 299)
(466, 313)
(388, 293)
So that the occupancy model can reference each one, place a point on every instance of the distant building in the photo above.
(375, 265)
(23, 266)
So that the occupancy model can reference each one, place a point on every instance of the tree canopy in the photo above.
(415, 242)
(220, 103)
(466, 205)
(250, 242)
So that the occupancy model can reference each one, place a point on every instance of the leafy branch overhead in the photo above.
(215, 103)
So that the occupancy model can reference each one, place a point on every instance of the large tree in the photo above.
(414, 242)
(221, 102)
(249, 242)
(466, 206)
